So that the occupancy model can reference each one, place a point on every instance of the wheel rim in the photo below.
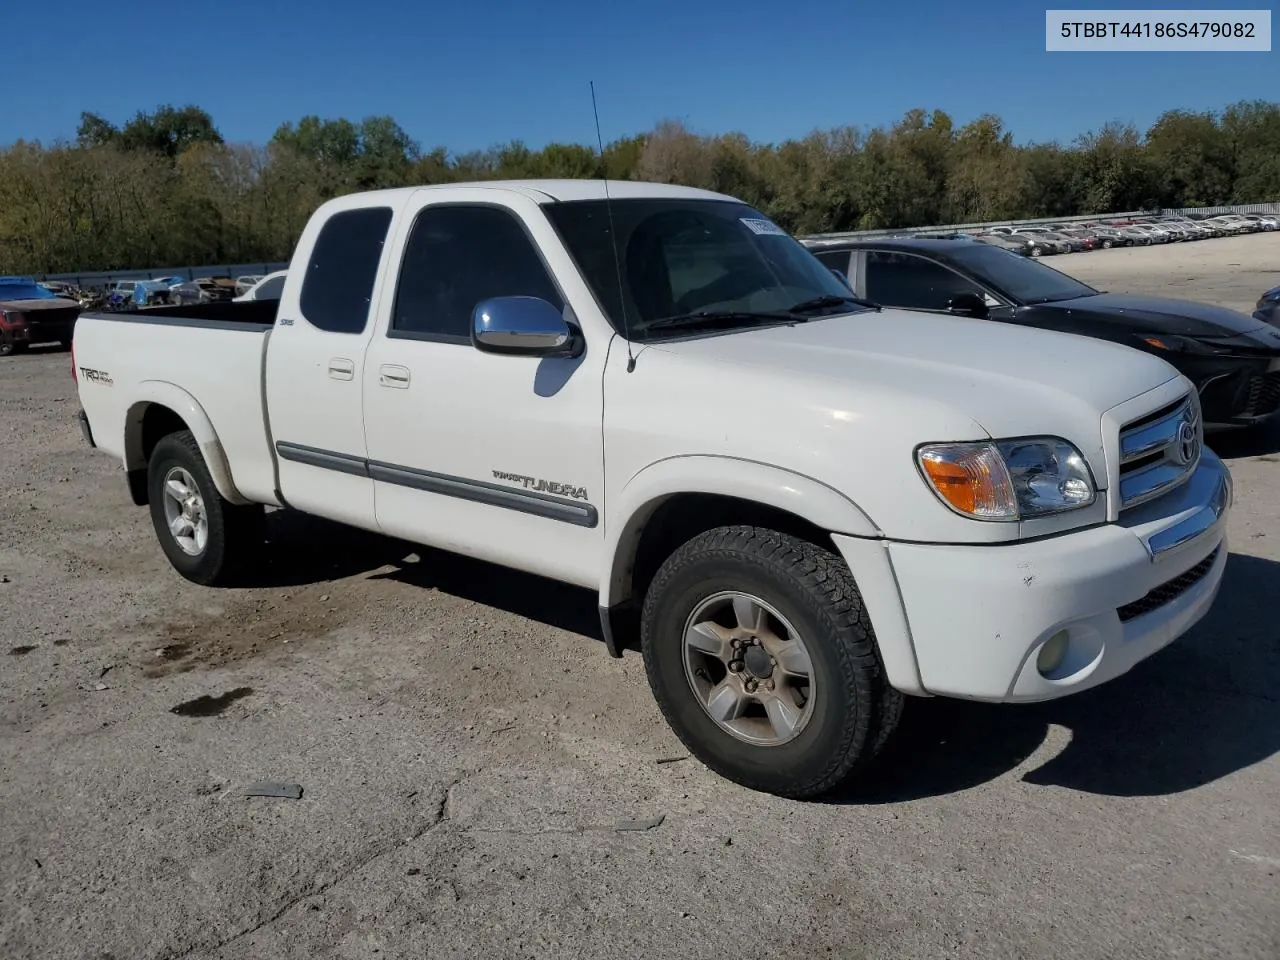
(748, 668)
(184, 512)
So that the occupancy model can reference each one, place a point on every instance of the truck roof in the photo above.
(553, 191)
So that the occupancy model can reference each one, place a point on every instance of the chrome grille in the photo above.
(1160, 451)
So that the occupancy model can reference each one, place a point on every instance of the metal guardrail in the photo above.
(90, 279)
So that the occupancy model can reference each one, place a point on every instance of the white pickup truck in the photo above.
(811, 507)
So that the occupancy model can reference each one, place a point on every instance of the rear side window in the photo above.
(271, 289)
(457, 256)
(344, 262)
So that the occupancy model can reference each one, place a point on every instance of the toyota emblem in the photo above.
(1188, 444)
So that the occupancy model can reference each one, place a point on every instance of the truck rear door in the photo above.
(499, 457)
(315, 365)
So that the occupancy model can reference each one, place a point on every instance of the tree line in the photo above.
(166, 189)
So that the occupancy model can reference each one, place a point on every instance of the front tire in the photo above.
(764, 663)
(208, 540)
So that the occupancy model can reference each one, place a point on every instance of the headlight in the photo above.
(1008, 479)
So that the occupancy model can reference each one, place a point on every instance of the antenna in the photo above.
(613, 236)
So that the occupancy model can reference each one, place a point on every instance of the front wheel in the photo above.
(208, 540)
(764, 662)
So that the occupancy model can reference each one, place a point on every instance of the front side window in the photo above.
(344, 264)
(906, 280)
(1020, 279)
(678, 257)
(457, 256)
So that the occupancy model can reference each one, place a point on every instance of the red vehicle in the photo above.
(31, 313)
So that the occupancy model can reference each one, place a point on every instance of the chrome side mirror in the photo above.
(523, 326)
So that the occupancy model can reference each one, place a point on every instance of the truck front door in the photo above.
(495, 456)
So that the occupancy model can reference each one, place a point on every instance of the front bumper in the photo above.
(971, 620)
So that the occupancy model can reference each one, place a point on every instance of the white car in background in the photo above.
(267, 288)
(243, 284)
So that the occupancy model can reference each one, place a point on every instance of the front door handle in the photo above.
(341, 368)
(394, 375)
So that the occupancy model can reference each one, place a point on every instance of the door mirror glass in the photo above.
(523, 326)
(968, 304)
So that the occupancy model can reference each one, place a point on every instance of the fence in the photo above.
(1265, 208)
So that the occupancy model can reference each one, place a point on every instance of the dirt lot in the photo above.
(467, 749)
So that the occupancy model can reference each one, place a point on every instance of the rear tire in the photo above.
(834, 720)
(208, 539)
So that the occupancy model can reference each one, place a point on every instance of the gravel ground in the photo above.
(467, 750)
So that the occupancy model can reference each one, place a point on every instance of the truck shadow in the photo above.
(1200, 710)
(305, 550)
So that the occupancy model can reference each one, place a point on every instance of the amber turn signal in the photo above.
(971, 478)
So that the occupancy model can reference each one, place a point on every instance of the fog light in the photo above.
(1052, 653)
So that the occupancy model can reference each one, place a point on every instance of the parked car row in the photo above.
(1047, 239)
(159, 291)
(1233, 359)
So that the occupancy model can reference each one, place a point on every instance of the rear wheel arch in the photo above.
(162, 410)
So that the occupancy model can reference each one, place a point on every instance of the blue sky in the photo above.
(469, 75)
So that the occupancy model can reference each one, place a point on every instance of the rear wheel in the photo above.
(208, 539)
(763, 661)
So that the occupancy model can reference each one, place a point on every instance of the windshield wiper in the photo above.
(831, 300)
(704, 318)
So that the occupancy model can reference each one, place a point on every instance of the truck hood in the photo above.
(1143, 314)
(1010, 381)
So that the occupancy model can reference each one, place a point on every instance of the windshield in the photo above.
(1020, 279)
(19, 290)
(681, 256)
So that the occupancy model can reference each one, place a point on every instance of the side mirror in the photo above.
(843, 278)
(968, 305)
(522, 326)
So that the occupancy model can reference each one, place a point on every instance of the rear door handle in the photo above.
(394, 375)
(341, 369)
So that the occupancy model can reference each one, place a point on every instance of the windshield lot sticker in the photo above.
(766, 228)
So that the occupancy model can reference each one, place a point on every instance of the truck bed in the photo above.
(251, 313)
(204, 362)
